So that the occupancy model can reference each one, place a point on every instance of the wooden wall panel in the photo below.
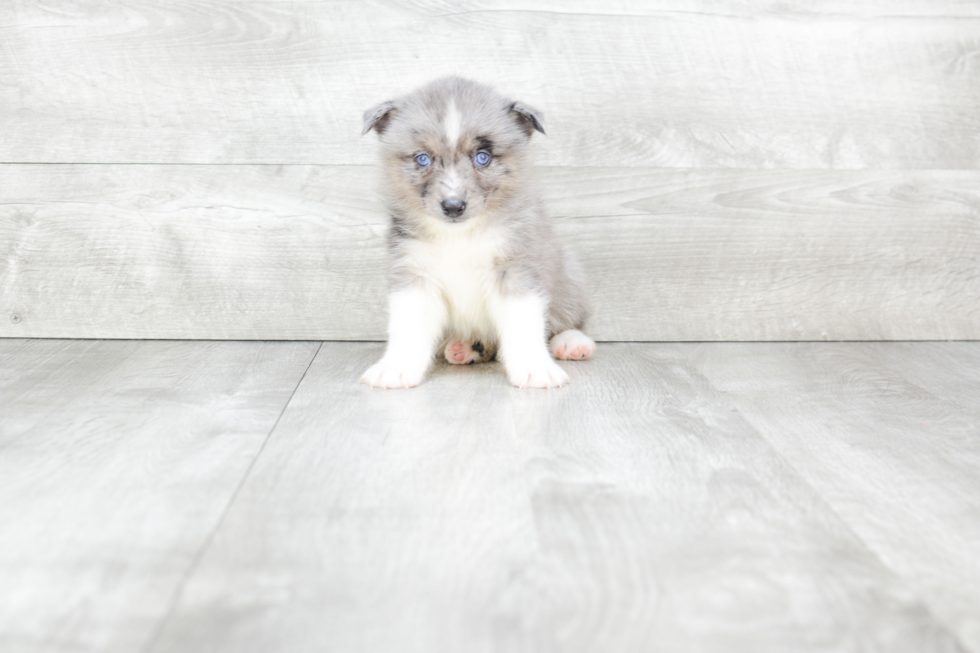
(726, 170)
(297, 252)
(831, 84)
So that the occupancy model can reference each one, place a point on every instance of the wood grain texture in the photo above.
(118, 460)
(828, 84)
(634, 510)
(889, 435)
(297, 252)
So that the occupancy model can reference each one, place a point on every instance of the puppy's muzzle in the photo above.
(453, 207)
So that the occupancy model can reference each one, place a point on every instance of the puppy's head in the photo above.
(453, 150)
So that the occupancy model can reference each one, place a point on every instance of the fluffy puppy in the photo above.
(475, 264)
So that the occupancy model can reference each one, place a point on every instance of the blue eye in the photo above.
(423, 160)
(482, 159)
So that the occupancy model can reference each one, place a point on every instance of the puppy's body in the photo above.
(473, 255)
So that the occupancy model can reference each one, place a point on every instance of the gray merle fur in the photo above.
(503, 193)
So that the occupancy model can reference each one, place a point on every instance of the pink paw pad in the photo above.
(460, 353)
(572, 345)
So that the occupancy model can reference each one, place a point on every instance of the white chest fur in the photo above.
(463, 268)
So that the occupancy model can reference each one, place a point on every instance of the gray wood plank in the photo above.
(634, 510)
(950, 371)
(117, 460)
(297, 252)
(825, 84)
(889, 435)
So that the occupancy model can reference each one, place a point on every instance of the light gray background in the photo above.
(726, 170)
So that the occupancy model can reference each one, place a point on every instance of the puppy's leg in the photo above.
(416, 318)
(521, 324)
(572, 345)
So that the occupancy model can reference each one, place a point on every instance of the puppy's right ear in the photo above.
(378, 117)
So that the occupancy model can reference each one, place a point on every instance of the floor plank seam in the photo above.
(846, 524)
(202, 551)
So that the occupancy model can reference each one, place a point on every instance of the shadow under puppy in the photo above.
(475, 263)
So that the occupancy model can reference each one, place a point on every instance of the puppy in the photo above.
(475, 264)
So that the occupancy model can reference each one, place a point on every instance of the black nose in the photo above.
(453, 206)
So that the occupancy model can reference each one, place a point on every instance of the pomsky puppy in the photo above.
(475, 266)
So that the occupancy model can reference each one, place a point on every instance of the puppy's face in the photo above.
(453, 150)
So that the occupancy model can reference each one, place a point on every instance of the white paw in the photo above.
(546, 374)
(390, 374)
(572, 345)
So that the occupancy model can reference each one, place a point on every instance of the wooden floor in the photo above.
(230, 496)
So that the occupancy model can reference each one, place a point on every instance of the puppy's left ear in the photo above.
(377, 117)
(528, 118)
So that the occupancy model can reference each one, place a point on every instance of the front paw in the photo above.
(545, 374)
(392, 374)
